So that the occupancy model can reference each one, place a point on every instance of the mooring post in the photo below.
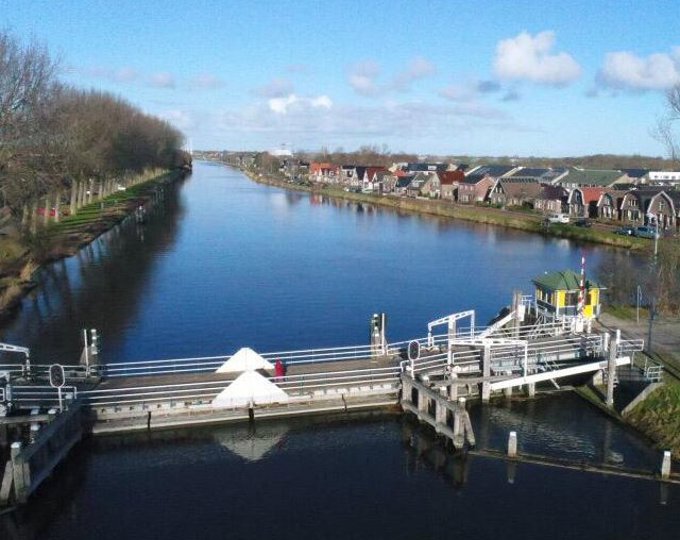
(20, 487)
(458, 425)
(422, 401)
(453, 387)
(518, 310)
(512, 444)
(666, 465)
(439, 412)
(508, 391)
(531, 389)
(405, 389)
(468, 434)
(486, 373)
(611, 374)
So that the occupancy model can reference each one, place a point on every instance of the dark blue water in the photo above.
(224, 263)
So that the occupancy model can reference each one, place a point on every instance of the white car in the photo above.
(557, 218)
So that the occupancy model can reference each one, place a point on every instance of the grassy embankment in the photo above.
(658, 416)
(20, 257)
(519, 220)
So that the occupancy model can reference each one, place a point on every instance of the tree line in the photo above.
(63, 144)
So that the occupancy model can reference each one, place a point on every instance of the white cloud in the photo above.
(362, 78)
(276, 88)
(418, 68)
(284, 105)
(179, 118)
(626, 70)
(323, 102)
(280, 105)
(162, 80)
(527, 57)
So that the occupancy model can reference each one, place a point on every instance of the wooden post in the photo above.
(422, 401)
(405, 389)
(512, 444)
(453, 387)
(666, 465)
(611, 373)
(486, 373)
(20, 487)
(439, 412)
(516, 308)
(531, 389)
(6, 485)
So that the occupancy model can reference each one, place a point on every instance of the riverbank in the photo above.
(524, 221)
(22, 256)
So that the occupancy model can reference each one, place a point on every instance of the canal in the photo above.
(223, 263)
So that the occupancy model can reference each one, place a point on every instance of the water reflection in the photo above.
(101, 286)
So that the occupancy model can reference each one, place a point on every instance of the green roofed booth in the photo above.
(557, 295)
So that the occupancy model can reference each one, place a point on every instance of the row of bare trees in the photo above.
(59, 144)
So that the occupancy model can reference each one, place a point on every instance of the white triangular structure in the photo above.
(245, 359)
(250, 387)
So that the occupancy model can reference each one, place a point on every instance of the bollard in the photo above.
(512, 444)
(666, 465)
(18, 470)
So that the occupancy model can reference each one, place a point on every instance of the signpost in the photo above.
(57, 380)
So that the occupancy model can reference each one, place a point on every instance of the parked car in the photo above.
(583, 222)
(625, 231)
(645, 232)
(557, 218)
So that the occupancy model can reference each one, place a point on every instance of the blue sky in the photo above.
(444, 77)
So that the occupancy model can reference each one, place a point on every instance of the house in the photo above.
(663, 178)
(347, 174)
(368, 181)
(592, 178)
(323, 172)
(649, 206)
(449, 181)
(582, 201)
(609, 204)
(551, 199)
(402, 183)
(557, 295)
(385, 181)
(477, 183)
(637, 176)
(512, 191)
(417, 183)
(474, 188)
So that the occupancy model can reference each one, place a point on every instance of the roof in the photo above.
(529, 173)
(566, 280)
(524, 188)
(494, 170)
(635, 173)
(422, 167)
(549, 193)
(404, 181)
(591, 194)
(448, 178)
(474, 179)
(371, 171)
(592, 177)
